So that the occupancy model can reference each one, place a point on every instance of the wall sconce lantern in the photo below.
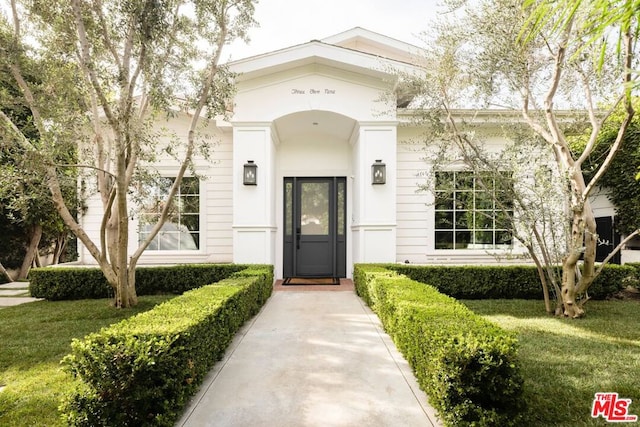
(250, 173)
(378, 172)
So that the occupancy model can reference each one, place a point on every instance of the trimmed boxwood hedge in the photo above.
(143, 370)
(71, 283)
(466, 364)
(635, 282)
(505, 282)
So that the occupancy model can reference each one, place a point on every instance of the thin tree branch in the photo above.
(615, 251)
(97, 8)
(595, 130)
(22, 140)
(202, 101)
(103, 224)
(29, 98)
(81, 166)
(88, 66)
(554, 129)
(63, 210)
(16, 20)
(628, 38)
(5, 273)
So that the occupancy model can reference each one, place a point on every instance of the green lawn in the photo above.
(565, 362)
(33, 339)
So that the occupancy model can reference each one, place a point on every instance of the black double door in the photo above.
(315, 227)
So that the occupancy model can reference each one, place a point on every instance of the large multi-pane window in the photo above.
(472, 211)
(181, 230)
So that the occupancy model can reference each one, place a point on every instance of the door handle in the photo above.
(298, 238)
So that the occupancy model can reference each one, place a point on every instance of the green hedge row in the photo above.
(505, 282)
(71, 283)
(635, 265)
(466, 364)
(143, 370)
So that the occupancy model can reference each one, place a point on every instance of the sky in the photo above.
(284, 23)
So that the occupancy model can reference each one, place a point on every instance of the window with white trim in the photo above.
(473, 211)
(181, 230)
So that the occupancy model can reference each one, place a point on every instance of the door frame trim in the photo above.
(339, 266)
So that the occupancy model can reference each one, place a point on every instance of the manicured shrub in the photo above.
(143, 370)
(611, 281)
(68, 283)
(477, 282)
(71, 283)
(504, 282)
(635, 265)
(634, 281)
(466, 364)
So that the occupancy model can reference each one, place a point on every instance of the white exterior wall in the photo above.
(90, 222)
(416, 213)
(254, 205)
(215, 203)
(309, 88)
(374, 213)
(601, 204)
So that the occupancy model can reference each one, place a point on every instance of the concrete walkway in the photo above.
(14, 293)
(311, 358)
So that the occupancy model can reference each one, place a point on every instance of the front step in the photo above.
(14, 289)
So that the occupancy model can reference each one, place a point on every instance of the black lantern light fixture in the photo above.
(250, 173)
(378, 172)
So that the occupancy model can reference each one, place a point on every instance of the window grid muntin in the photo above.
(184, 214)
(470, 209)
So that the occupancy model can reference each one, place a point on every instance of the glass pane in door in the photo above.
(288, 208)
(314, 208)
(341, 208)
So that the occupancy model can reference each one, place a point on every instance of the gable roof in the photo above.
(357, 50)
(363, 40)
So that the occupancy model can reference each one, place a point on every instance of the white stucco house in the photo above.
(313, 172)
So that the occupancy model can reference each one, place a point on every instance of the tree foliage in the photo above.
(604, 25)
(29, 220)
(107, 71)
(537, 58)
(619, 181)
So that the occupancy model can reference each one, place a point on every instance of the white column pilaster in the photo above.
(374, 210)
(254, 225)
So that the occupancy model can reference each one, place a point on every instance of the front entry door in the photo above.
(314, 222)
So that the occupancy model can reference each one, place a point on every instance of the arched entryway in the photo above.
(314, 165)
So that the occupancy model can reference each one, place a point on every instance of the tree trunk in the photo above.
(61, 244)
(569, 268)
(32, 248)
(590, 246)
(36, 259)
(583, 241)
(131, 286)
(125, 296)
(559, 304)
(543, 280)
(5, 273)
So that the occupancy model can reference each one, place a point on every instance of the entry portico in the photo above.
(308, 115)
